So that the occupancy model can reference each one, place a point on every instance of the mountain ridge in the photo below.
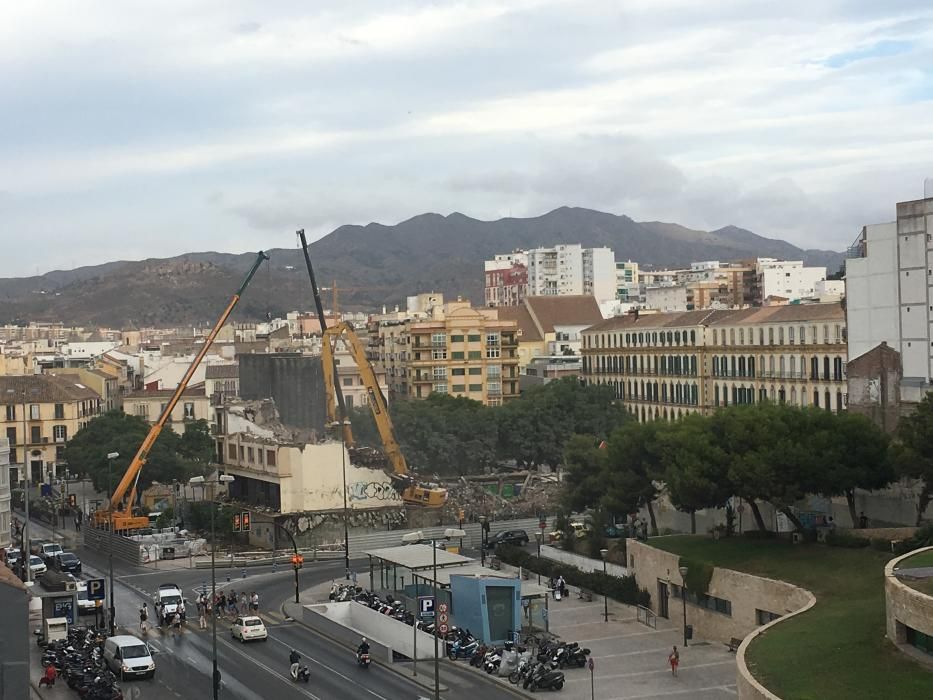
(427, 252)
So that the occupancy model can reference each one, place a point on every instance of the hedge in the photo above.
(621, 588)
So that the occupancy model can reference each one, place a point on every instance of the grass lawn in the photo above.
(915, 562)
(835, 650)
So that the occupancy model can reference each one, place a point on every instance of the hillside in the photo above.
(425, 253)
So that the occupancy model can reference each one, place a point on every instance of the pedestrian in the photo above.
(862, 521)
(160, 613)
(254, 603)
(244, 603)
(77, 523)
(176, 624)
(144, 618)
(562, 585)
(202, 612)
(674, 660)
(208, 610)
(48, 677)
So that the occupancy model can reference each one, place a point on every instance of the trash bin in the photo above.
(168, 552)
(688, 632)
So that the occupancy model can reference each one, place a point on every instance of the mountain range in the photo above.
(372, 265)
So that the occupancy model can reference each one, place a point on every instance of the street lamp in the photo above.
(25, 550)
(343, 425)
(482, 539)
(221, 479)
(604, 553)
(418, 537)
(539, 536)
(110, 457)
(683, 596)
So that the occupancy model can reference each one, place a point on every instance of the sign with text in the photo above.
(426, 605)
(96, 589)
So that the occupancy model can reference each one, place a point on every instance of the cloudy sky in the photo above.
(136, 129)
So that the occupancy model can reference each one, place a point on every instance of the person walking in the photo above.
(202, 612)
(144, 618)
(176, 624)
(674, 660)
(244, 603)
(254, 603)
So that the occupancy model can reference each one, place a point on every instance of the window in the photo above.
(494, 388)
(231, 451)
(790, 335)
(11, 412)
(770, 336)
(59, 411)
(11, 436)
(270, 458)
(473, 338)
(720, 605)
(456, 356)
(476, 387)
(494, 371)
(439, 339)
(189, 411)
(458, 388)
(439, 353)
(492, 352)
(35, 434)
(34, 411)
(440, 373)
(440, 388)
(456, 339)
(458, 372)
(142, 410)
(242, 454)
(475, 371)
(475, 355)
(493, 339)
(250, 455)
(60, 433)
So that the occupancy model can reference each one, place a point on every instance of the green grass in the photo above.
(837, 649)
(917, 561)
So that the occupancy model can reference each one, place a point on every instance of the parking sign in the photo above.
(95, 589)
(426, 605)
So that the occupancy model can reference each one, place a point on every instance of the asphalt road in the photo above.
(260, 669)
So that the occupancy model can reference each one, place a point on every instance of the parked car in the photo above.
(516, 537)
(580, 530)
(49, 551)
(36, 565)
(129, 657)
(67, 561)
(13, 557)
(248, 628)
(86, 606)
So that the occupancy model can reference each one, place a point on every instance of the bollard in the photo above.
(244, 573)
(228, 577)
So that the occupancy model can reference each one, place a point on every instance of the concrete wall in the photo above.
(581, 562)
(14, 649)
(348, 622)
(746, 593)
(903, 604)
(296, 383)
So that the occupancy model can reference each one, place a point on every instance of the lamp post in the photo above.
(683, 597)
(418, 537)
(110, 457)
(539, 536)
(215, 677)
(341, 426)
(482, 540)
(25, 549)
(604, 553)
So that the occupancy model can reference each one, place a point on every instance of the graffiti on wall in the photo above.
(372, 490)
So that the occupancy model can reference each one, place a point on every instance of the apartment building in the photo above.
(506, 286)
(628, 282)
(889, 293)
(6, 505)
(572, 269)
(104, 383)
(788, 279)
(457, 350)
(38, 414)
(670, 364)
(193, 405)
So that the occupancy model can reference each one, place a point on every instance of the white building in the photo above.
(572, 269)
(666, 299)
(787, 278)
(888, 292)
(628, 282)
(5, 502)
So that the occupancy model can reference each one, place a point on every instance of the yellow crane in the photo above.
(412, 492)
(119, 515)
(335, 290)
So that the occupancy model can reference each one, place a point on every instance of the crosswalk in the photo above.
(270, 618)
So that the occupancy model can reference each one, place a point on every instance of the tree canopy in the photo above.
(913, 455)
(172, 456)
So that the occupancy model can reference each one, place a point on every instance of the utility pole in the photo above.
(110, 457)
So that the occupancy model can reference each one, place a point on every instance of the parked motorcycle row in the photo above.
(542, 670)
(79, 661)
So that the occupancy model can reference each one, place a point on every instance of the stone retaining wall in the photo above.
(905, 605)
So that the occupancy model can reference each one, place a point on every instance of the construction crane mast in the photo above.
(119, 515)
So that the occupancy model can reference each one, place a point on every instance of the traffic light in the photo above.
(236, 522)
(245, 521)
(72, 500)
(297, 561)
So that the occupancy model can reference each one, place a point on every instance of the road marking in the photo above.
(634, 653)
(649, 673)
(328, 668)
(726, 688)
(288, 681)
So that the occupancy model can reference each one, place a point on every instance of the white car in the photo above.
(50, 550)
(248, 628)
(36, 565)
(86, 606)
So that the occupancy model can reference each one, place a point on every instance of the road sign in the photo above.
(591, 664)
(443, 618)
(96, 589)
(443, 629)
(442, 607)
(426, 605)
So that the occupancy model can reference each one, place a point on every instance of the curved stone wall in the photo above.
(905, 605)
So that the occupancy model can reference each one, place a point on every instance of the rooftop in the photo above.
(562, 310)
(417, 556)
(222, 371)
(191, 391)
(43, 388)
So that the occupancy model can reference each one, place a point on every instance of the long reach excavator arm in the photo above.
(119, 515)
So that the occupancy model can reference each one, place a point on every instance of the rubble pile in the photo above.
(502, 496)
(369, 458)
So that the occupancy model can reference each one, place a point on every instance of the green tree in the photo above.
(696, 475)
(170, 457)
(584, 472)
(634, 467)
(914, 451)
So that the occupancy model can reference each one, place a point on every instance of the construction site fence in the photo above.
(473, 538)
(124, 548)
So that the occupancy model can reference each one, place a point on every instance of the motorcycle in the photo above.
(544, 676)
(363, 660)
(302, 673)
(462, 650)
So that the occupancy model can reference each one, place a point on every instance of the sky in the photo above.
(149, 129)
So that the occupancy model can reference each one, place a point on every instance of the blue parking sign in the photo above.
(426, 606)
(95, 589)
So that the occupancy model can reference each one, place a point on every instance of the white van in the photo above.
(129, 657)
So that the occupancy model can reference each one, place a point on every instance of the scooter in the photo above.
(302, 674)
(544, 676)
(363, 660)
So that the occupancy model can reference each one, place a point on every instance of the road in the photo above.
(260, 669)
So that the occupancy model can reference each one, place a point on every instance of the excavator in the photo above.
(412, 492)
(118, 515)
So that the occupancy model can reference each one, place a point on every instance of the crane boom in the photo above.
(122, 516)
